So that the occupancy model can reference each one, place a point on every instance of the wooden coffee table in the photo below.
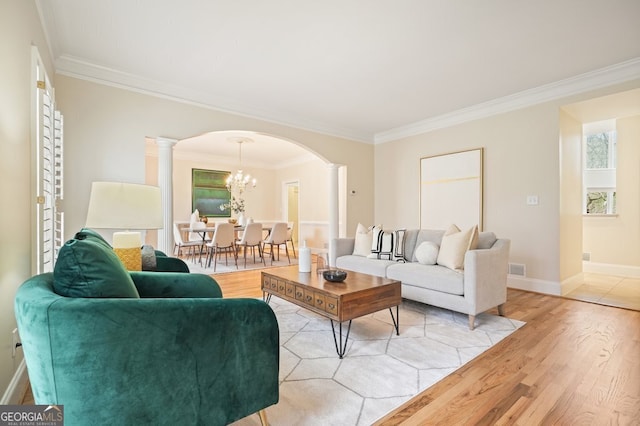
(358, 295)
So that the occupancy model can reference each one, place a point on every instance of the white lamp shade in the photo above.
(117, 205)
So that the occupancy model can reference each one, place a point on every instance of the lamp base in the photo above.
(127, 246)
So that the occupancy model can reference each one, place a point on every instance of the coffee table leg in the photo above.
(342, 348)
(396, 319)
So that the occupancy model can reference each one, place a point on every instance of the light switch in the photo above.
(532, 200)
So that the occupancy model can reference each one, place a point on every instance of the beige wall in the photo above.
(313, 178)
(570, 196)
(105, 130)
(521, 157)
(265, 203)
(19, 30)
(616, 240)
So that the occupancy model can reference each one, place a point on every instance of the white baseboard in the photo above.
(611, 269)
(533, 284)
(18, 385)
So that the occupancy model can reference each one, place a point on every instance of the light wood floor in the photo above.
(572, 363)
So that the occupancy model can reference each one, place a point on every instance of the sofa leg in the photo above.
(263, 417)
(501, 309)
(472, 322)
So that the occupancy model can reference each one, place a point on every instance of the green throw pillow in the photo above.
(88, 268)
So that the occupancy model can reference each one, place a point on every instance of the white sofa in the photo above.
(480, 286)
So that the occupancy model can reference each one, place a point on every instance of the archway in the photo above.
(272, 160)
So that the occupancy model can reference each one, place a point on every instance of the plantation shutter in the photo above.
(49, 174)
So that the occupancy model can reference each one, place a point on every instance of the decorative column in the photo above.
(165, 182)
(334, 203)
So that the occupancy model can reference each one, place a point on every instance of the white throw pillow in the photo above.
(427, 253)
(362, 246)
(455, 244)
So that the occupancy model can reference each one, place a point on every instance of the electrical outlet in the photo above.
(532, 200)
(15, 339)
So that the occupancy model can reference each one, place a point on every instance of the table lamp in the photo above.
(128, 207)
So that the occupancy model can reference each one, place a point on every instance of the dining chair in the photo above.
(223, 241)
(179, 243)
(252, 238)
(290, 237)
(277, 237)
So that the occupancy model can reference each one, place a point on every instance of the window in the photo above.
(599, 173)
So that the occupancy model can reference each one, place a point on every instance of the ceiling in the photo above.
(356, 69)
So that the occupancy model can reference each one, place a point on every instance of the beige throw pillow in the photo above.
(362, 246)
(455, 244)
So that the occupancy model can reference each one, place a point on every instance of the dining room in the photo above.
(285, 183)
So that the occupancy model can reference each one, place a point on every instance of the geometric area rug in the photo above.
(380, 370)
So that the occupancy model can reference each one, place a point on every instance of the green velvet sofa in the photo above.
(168, 350)
(166, 263)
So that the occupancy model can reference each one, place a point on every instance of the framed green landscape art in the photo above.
(209, 192)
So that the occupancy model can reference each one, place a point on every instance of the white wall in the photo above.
(19, 30)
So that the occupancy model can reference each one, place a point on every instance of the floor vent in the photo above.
(517, 269)
(586, 257)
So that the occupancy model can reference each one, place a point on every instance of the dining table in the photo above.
(202, 231)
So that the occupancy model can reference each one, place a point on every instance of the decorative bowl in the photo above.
(233, 220)
(334, 275)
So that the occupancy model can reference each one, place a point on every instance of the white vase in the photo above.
(304, 258)
(241, 219)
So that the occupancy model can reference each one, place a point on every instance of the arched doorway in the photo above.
(274, 162)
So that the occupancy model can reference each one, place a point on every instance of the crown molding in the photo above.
(77, 68)
(615, 74)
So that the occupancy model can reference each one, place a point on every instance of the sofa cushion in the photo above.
(362, 244)
(90, 234)
(88, 268)
(486, 240)
(427, 253)
(433, 235)
(455, 244)
(432, 277)
(364, 265)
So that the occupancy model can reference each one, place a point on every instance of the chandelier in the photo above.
(237, 182)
